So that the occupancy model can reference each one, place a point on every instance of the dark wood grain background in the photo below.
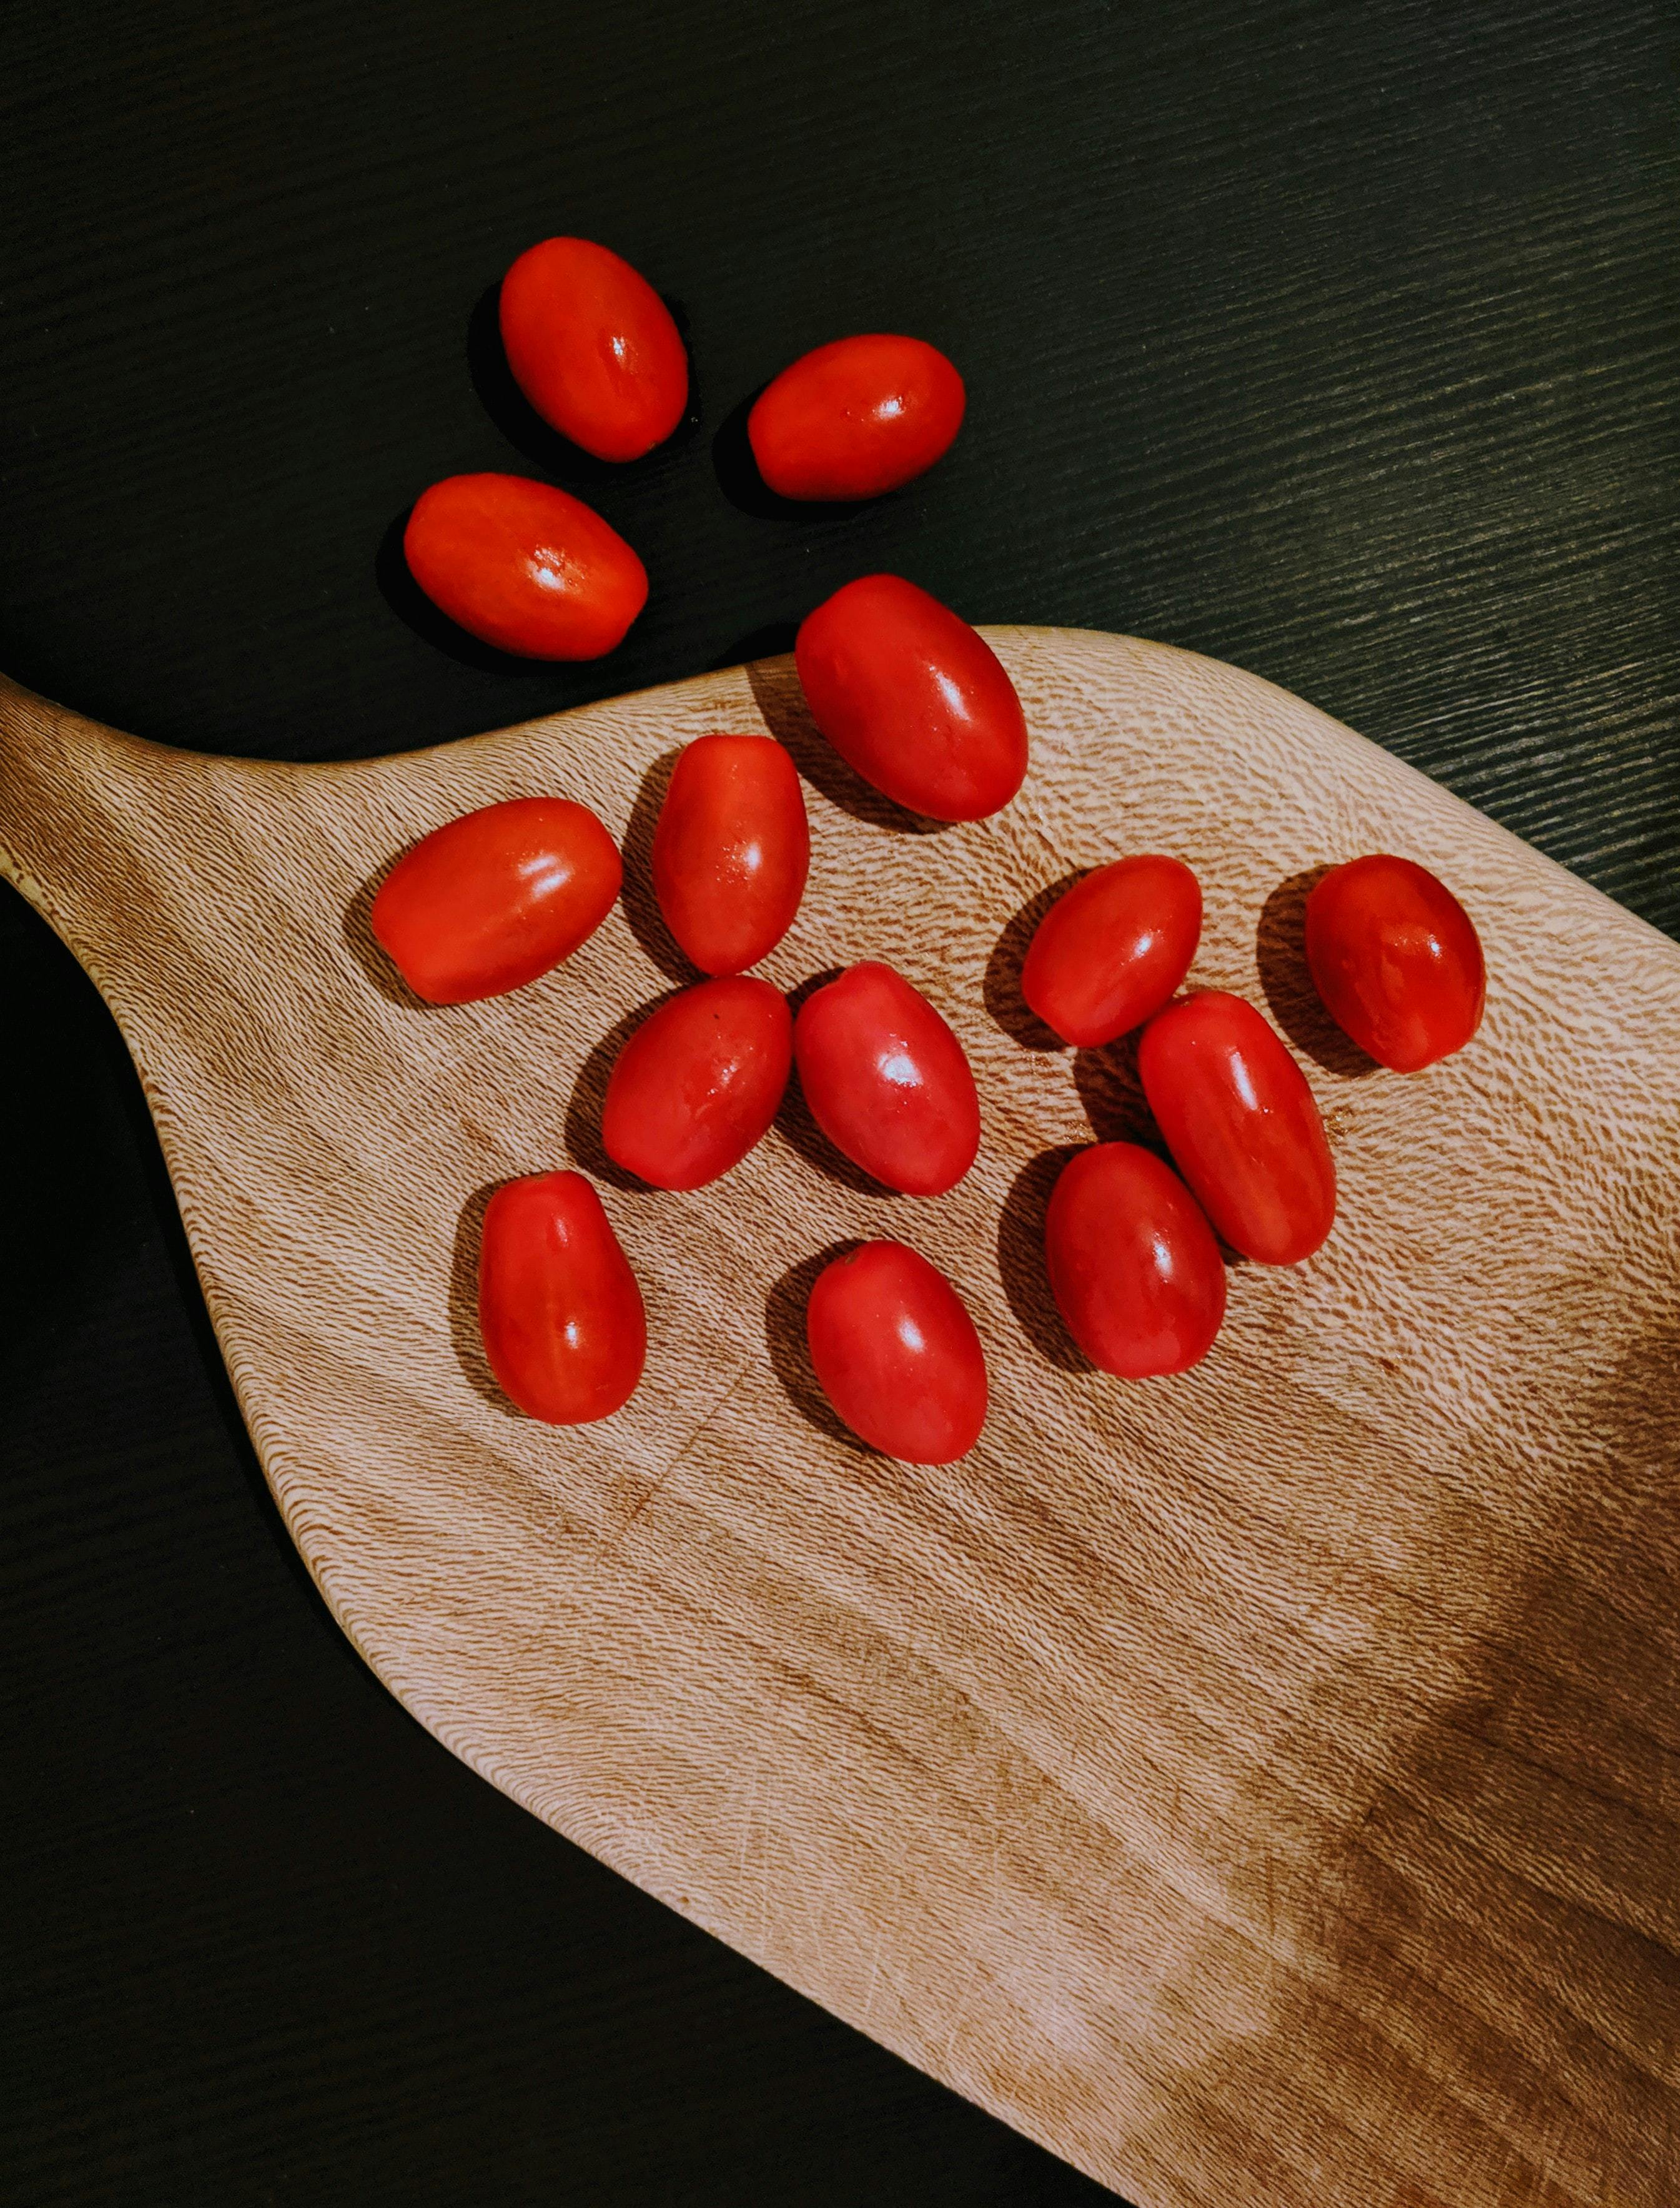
(1338, 340)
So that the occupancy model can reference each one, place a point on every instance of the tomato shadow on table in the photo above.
(1296, 1007)
(780, 700)
(1021, 1266)
(530, 437)
(640, 903)
(465, 1337)
(790, 1350)
(410, 604)
(1001, 987)
(584, 1144)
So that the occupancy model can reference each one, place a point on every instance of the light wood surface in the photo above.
(1261, 1787)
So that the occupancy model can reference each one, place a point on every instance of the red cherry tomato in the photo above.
(559, 1309)
(1108, 955)
(913, 699)
(1133, 1263)
(523, 567)
(697, 1084)
(491, 901)
(898, 1355)
(1242, 1126)
(856, 419)
(1395, 957)
(887, 1081)
(730, 851)
(593, 347)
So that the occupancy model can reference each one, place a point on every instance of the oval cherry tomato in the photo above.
(731, 850)
(856, 419)
(491, 901)
(1108, 955)
(523, 567)
(913, 699)
(697, 1084)
(898, 1355)
(1395, 957)
(561, 1314)
(1242, 1126)
(593, 347)
(1133, 1263)
(887, 1080)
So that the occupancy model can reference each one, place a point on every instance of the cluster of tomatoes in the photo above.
(918, 704)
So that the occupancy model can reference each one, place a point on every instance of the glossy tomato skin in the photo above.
(1133, 1263)
(856, 419)
(887, 1080)
(593, 347)
(1242, 1126)
(896, 1353)
(1111, 952)
(731, 851)
(523, 567)
(697, 1084)
(913, 699)
(495, 899)
(1395, 958)
(559, 1310)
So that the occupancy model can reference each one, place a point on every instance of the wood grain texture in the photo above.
(1260, 1784)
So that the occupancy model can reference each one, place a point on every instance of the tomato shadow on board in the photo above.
(410, 604)
(584, 1144)
(465, 1337)
(1020, 1267)
(530, 437)
(1001, 988)
(780, 700)
(790, 1350)
(1296, 1007)
(365, 948)
(640, 903)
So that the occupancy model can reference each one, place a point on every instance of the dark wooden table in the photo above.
(1339, 341)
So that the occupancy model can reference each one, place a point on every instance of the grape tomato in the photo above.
(523, 567)
(496, 898)
(561, 1318)
(697, 1084)
(887, 1080)
(731, 850)
(1242, 1126)
(896, 1353)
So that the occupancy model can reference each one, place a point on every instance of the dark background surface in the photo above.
(1339, 341)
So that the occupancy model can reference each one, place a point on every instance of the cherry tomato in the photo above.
(730, 851)
(1242, 1126)
(1395, 957)
(523, 567)
(491, 901)
(697, 1084)
(913, 699)
(887, 1081)
(856, 419)
(1133, 1263)
(559, 1309)
(898, 1355)
(1108, 955)
(593, 347)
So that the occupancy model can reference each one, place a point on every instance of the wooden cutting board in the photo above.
(1261, 1787)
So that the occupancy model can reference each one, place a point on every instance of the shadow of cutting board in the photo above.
(1261, 1787)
